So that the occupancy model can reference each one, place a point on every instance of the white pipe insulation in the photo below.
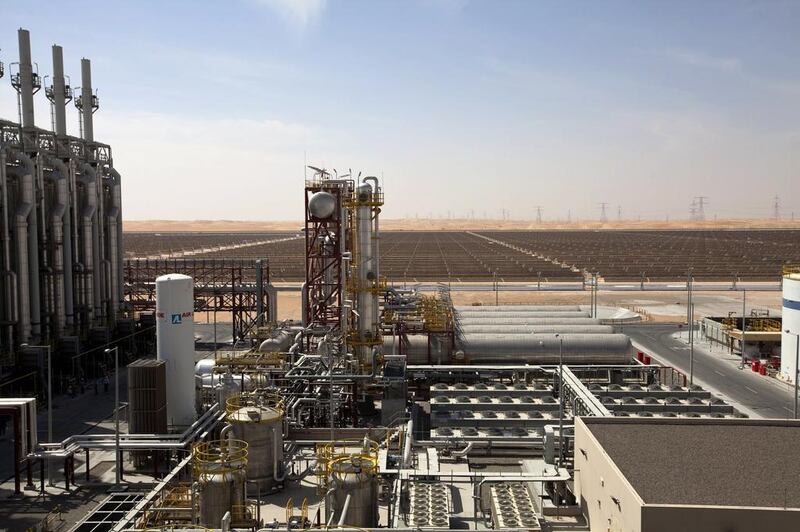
(90, 295)
(69, 302)
(58, 211)
(8, 279)
(25, 202)
(113, 216)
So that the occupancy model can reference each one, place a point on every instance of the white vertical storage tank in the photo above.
(175, 341)
(791, 322)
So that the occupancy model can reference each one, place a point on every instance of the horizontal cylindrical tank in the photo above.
(175, 344)
(791, 323)
(261, 428)
(544, 348)
(522, 314)
(534, 320)
(355, 476)
(204, 366)
(517, 308)
(537, 329)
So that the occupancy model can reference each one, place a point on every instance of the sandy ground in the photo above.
(419, 224)
(653, 305)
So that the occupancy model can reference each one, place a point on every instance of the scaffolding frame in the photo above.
(220, 285)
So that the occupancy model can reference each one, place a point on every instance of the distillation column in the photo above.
(367, 285)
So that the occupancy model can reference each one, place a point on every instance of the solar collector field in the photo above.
(514, 256)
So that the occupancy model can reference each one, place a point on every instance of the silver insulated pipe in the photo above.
(496, 324)
(8, 278)
(90, 296)
(113, 218)
(57, 214)
(22, 214)
(477, 314)
(537, 329)
(544, 348)
(517, 308)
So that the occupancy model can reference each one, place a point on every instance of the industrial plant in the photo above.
(61, 231)
(386, 404)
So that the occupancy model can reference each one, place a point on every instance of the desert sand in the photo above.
(424, 224)
(653, 305)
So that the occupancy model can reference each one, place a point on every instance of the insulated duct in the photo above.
(6, 275)
(57, 215)
(544, 348)
(479, 314)
(90, 292)
(23, 234)
(114, 220)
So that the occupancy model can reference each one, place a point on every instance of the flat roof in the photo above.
(720, 462)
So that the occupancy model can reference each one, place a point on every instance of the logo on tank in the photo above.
(175, 318)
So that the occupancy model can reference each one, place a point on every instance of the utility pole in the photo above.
(744, 325)
(560, 399)
(539, 214)
(776, 208)
(689, 322)
(603, 216)
(118, 461)
(701, 203)
(619, 213)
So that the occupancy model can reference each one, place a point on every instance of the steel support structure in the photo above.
(221, 286)
(325, 247)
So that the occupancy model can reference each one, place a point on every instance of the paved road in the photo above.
(716, 371)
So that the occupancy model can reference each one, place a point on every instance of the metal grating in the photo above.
(108, 513)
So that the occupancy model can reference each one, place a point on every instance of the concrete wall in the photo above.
(715, 331)
(598, 482)
(667, 518)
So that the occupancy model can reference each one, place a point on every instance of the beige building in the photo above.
(688, 474)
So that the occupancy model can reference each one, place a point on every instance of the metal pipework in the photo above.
(27, 247)
(67, 238)
(346, 507)
(113, 217)
(57, 215)
(91, 296)
(8, 280)
(25, 78)
(354, 377)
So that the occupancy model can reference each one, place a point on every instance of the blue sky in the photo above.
(461, 105)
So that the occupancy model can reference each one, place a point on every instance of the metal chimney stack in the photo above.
(25, 78)
(59, 91)
(87, 101)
